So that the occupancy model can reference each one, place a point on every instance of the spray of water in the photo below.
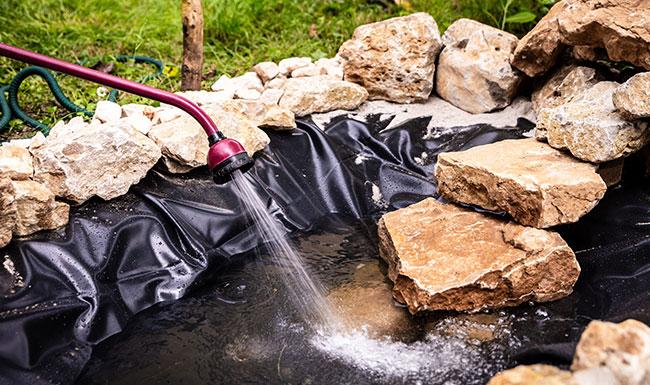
(305, 290)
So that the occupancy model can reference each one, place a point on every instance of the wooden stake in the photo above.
(192, 45)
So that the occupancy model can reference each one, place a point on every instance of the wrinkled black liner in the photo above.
(170, 234)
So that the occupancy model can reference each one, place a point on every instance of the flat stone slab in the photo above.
(536, 184)
(443, 257)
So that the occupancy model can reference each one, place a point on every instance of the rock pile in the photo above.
(607, 354)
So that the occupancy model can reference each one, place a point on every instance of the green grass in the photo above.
(238, 34)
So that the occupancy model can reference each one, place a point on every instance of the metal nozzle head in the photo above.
(225, 156)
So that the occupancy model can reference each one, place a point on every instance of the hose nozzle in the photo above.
(225, 156)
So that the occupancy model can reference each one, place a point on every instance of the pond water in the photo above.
(244, 328)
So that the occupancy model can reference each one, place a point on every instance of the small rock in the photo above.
(184, 144)
(27, 142)
(15, 162)
(443, 257)
(394, 59)
(622, 348)
(304, 96)
(166, 114)
(36, 208)
(78, 162)
(266, 71)
(271, 96)
(590, 127)
(262, 114)
(536, 184)
(567, 83)
(632, 98)
(611, 172)
(7, 211)
(248, 81)
(276, 83)
(310, 70)
(246, 93)
(134, 109)
(287, 66)
(139, 123)
(474, 71)
(331, 68)
(202, 98)
(107, 111)
(534, 375)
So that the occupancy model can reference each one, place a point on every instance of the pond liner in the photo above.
(171, 234)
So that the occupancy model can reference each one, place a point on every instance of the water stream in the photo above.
(305, 291)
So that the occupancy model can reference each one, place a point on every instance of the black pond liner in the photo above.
(172, 234)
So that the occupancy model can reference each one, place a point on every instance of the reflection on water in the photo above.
(244, 329)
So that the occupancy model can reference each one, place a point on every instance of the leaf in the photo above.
(521, 18)
(546, 2)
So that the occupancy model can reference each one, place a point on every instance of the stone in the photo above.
(632, 98)
(78, 162)
(536, 184)
(534, 375)
(310, 70)
(7, 211)
(611, 172)
(271, 96)
(394, 59)
(202, 98)
(266, 70)
(622, 348)
(366, 304)
(37, 209)
(331, 67)
(287, 66)
(26, 142)
(247, 93)
(563, 86)
(276, 83)
(140, 123)
(262, 114)
(247, 81)
(443, 257)
(590, 127)
(304, 96)
(618, 27)
(166, 113)
(184, 145)
(133, 109)
(107, 111)
(474, 71)
(15, 162)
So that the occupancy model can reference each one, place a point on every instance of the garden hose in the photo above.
(10, 108)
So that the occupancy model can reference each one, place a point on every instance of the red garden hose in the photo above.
(225, 155)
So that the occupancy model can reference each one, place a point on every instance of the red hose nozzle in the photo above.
(225, 156)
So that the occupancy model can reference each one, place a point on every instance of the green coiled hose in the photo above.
(10, 108)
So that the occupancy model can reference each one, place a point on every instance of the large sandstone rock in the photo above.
(184, 145)
(262, 114)
(534, 375)
(624, 349)
(7, 211)
(15, 162)
(536, 184)
(78, 161)
(590, 127)
(443, 257)
(620, 27)
(307, 95)
(394, 59)
(474, 71)
(563, 86)
(37, 209)
(632, 98)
